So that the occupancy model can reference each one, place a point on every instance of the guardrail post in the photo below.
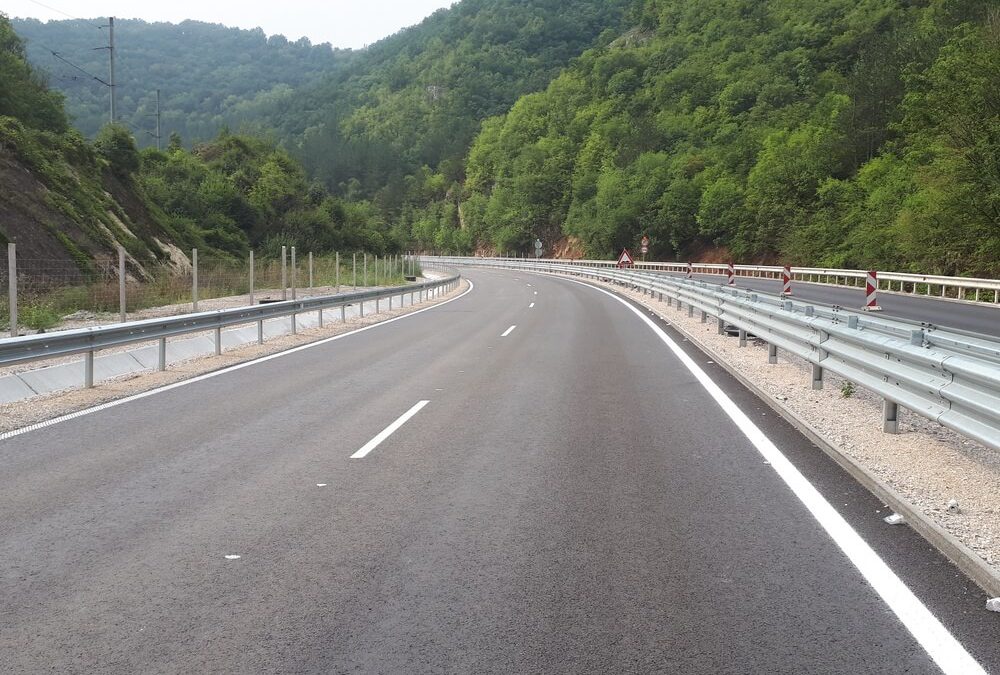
(890, 416)
(88, 370)
(743, 338)
(121, 283)
(704, 316)
(161, 356)
(817, 370)
(194, 279)
(12, 286)
(722, 326)
(284, 273)
(690, 310)
(218, 341)
(251, 277)
(917, 338)
(343, 313)
(772, 353)
(260, 332)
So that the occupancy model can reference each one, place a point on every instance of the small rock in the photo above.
(894, 519)
(953, 506)
(993, 604)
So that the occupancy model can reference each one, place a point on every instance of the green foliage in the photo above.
(23, 93)
(830, 133)
(207, 74)
(115, 144)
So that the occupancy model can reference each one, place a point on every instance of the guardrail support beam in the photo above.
(743, 338)
(704, 316)
(772, 353)
(817, 377)
(890, 416)
(722, 326)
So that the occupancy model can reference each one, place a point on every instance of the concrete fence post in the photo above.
(121, 283)
(12, 286)
(284, 273)
(251, 277)
(194, 279)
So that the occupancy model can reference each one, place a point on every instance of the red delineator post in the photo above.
(786, 281)
(731, 271)
(871, 292)
(690, 271)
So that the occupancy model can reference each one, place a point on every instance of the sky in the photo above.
(342, 23)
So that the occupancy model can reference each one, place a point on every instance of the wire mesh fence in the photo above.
(49, 292)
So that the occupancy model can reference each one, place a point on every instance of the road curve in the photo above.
(544, 487)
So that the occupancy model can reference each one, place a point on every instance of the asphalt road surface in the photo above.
(526, 479)
(982, 318)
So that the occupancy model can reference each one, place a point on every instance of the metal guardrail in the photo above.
(945, 375)
(983, 290)
(90, 340)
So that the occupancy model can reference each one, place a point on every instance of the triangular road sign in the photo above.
(625, 259)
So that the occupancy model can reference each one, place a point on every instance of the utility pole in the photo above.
(157, 120)
(111, 63)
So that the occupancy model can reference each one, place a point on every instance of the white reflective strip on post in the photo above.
(871, 292)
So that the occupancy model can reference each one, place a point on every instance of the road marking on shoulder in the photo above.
(947, 652)
(222, 371)
(508, 331)
(531, 305)
(388, 431)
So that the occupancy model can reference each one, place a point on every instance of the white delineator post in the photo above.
(731, 271)
(786, 280)
(690, 271)
(871, 292)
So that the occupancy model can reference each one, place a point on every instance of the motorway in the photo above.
(982, 318)
(529, 478)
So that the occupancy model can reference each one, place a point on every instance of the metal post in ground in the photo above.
(376, 271)
(121, 283)
(772, 353)
(161, 357)
(12, 287)
(194, 279)
(218, 341)
(284, 273)
(890, 416)
(88, 370)
(294, 271)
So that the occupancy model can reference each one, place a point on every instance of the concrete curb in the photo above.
(967, 560)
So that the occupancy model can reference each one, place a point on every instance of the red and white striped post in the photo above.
(731, 271)
(786, 280)
(871, 291)
(690, 271)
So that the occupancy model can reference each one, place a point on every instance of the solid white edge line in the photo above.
(508, 331)
(949, 655)
(222, 371)
(388, 431)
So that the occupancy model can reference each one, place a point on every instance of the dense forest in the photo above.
(206, 73)
(833, 132)
(68, 200)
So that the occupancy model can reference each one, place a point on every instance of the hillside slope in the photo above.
(826, 133)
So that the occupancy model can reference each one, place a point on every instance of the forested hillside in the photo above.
(206, 73)
(831, 132)
(410, 105)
